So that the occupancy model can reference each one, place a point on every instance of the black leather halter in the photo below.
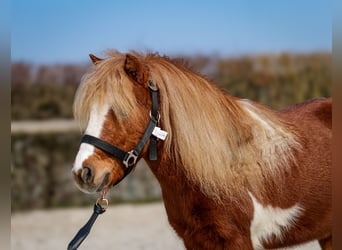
(129, 159)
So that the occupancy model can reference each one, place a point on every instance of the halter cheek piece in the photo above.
(129, 159)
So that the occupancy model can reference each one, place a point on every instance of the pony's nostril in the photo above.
(87, 174)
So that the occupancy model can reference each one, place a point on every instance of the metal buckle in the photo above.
(152, 86)
(130, 160)
(103, 199)
(157, 118)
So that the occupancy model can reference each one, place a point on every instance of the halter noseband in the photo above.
(129, 159)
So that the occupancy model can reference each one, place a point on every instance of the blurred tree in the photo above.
(275, 80)
(21, 73)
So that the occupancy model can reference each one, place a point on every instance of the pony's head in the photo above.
(112, 104)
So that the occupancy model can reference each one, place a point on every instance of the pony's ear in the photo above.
(136, 70)
(95, 60)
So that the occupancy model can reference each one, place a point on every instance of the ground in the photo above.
(131, 227)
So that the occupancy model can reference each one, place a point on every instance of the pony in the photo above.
(234, 174)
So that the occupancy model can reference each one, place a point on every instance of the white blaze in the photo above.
(94, 128)
(268, 221)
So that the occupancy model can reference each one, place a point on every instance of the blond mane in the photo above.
(222, 142)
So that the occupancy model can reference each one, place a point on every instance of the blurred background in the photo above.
(274, 52)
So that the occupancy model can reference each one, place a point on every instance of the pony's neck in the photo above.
(257, 146)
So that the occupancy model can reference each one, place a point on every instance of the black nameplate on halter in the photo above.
(152, 153)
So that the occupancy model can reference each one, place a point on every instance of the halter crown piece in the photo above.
(129, 159)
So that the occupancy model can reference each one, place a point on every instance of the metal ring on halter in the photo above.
(103, 199)
(157, 118)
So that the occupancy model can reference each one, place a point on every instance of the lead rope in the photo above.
(84, 231)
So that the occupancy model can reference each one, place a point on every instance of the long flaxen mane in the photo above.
(221, 142)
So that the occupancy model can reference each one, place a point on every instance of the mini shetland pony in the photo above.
(233, 174)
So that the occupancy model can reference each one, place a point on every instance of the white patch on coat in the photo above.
(94, 128)
(248, 106)
(276, 143)
(268, 221)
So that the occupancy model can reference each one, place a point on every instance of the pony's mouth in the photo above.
(104, 183)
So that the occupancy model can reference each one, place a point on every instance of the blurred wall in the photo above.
(41, 174)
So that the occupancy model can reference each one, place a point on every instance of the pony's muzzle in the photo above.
(89, 180)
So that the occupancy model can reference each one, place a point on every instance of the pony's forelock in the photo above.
(106, 83)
